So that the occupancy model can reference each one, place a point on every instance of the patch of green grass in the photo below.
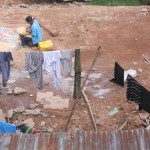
(116, 2)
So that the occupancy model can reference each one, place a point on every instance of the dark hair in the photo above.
(29, 19)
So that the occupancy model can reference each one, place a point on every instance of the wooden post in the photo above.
(83, 84)
(77, 70)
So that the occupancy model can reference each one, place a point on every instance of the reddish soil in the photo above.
(123, 33)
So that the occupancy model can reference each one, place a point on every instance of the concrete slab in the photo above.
(49, 101)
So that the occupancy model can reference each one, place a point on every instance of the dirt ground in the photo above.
(123, 33)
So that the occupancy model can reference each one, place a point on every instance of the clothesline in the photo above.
(136, 92)
(50, 61)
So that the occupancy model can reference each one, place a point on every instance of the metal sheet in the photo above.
(137, 139)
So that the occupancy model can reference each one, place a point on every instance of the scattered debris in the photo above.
(23, 6)
(113, 112)
(18, 122)
(146, 58)
(10, 92)
(148, 127)
(100, 122)
(82, 74)
(31, 95)
(42, 123)
(72, 73)
(144, 11)
(131, 72)
(123, 125)
(144, 116)
(94, 76)
(32, 106)
(34, 112)
(55, 125)
(11, 81)
(10, 113)
(135, 63)
(29, 122)
(140, 70)
(19, 90)
(45, 115)
(53, 116)
(50, 101)
(82, 29)
(19, 109)
(50, 129)
(108, 107)
(137, 120)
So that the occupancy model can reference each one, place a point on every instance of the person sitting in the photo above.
(35, 31)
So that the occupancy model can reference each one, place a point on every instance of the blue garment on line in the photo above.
(5, 58)
(7, 127)
(36, 32)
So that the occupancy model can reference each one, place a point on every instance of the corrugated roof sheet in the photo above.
(137, 139)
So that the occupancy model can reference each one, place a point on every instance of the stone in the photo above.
(17, 122)
(44, 115)
(82, 29)
(140, 70)
(10, 92)
(10, 113)
(19, 109)
(72, 73)
(2, 116)
(144, 116)
(100, 122)
(108, 107)
(144, 123)
(23, 6)
(53, 116)
(148, 127)
(32, 106)
(34, 112)
(147, 121)
(82, 74)
(29, 122)
(55, 125)
(50, 129)
(54, 33)
(11, 81)
(95, 76)
(19, 90)
(144, 10)
(137, 120)
(42, 123)
(135, 63)
(49, 101)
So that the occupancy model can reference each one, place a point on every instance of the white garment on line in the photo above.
(67, 61)
(52, 65)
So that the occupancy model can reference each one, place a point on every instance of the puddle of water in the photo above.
(94, 76)
(100, 93)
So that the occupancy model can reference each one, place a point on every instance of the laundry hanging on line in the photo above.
(52, 65)
(5, 59)
(136, 92)
(50, 61)
(118, 75)
(33, 64)
(67, 61)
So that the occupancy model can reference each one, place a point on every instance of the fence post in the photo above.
(77, 70)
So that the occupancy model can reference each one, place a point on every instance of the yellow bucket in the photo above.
(45, 45)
